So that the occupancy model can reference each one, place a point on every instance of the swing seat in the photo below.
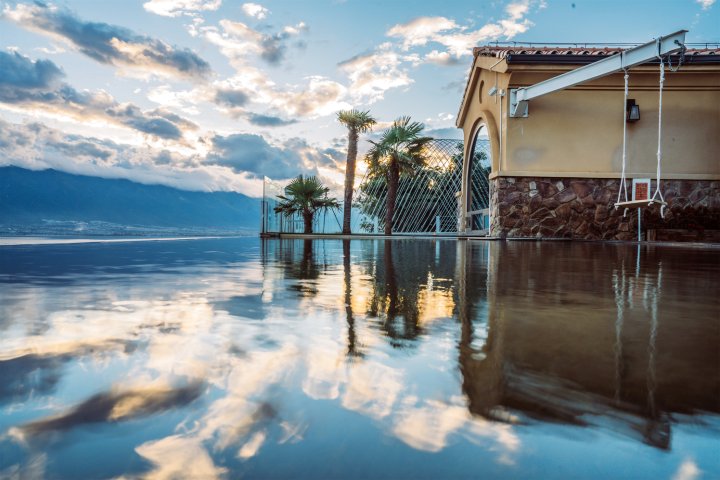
(639, 203)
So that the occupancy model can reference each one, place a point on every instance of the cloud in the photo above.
(110, 44)
(421, 30)
(441, 58)
(239, 40)
(231, 98)
(37, 147)
(456, 39)
(255, 11)
(175, 8)
(19, 71)
(705, 4)
(372, 74)
(35, 86)
(246, 152)
(267, 120)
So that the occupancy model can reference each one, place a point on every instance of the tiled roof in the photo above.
(505, 51)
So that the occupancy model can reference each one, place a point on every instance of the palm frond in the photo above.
(304, 193)
(360, 121)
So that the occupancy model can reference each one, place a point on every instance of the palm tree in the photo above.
(305, 196)
(400, 149)
(357, 122)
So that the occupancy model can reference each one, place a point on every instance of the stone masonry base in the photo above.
(583, 208)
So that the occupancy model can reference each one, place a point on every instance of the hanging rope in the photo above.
(623, 186)
(658, 193)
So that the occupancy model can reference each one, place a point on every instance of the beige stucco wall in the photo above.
(578, 132)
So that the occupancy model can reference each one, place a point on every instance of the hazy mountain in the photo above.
(33, 201)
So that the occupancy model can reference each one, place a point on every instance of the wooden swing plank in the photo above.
(639, 203)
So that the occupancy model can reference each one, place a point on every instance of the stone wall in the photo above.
(583, 208)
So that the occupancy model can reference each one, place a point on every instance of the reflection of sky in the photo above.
(207, 362)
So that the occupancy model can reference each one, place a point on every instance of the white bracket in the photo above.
(519, 97)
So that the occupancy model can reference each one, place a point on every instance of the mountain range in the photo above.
(50, 201)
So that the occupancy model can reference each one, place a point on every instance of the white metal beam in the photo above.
(519, 97)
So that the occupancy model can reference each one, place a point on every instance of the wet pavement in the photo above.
(295, 358)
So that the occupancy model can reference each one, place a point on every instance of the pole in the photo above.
(263, 207)
(639, 225)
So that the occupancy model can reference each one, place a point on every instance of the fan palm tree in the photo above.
(400, 149)
(305, 196)
(357, 122)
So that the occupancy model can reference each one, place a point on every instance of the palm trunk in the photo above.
(349, 179)
(308, 219)
(393, 181)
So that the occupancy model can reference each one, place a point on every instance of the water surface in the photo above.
(236, 358)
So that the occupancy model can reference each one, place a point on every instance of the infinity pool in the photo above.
(237, 358)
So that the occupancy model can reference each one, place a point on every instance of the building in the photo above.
(557, 172)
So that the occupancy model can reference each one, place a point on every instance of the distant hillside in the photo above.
(49, 198)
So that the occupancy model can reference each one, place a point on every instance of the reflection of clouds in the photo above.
(217, 325)
(252, 446)
(688, 470)
(233, 416)
(178, 456)
(116, 405)
(426, 425)
(372, 389)
(324, 372)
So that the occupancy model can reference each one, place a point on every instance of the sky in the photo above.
(214, 95)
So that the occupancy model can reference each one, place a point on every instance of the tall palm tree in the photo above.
(400, 149)
(305, 196)
(357, 122)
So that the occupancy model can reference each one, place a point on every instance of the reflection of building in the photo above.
(555, 173)
(607, 346)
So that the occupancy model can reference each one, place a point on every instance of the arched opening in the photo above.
(479, 161)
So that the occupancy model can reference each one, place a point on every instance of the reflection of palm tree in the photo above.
(352, 350)
(396, 301)
(308, 267)
(305, 269)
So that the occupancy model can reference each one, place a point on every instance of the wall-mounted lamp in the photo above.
(632, 111)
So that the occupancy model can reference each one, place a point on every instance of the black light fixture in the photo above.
(632, 111)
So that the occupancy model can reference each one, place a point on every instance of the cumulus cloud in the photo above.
(18, 71)
(110, 44)
(372, 74)
(245, 152)
(231, 97)
(261, 120)
(441, 58)
(421, 30)
(705, 4)
(255, 10)
(458, 40)
(35, 86)
(238, 39)
(232, 162)
(37, 147)
(175, 8)
(318, 95)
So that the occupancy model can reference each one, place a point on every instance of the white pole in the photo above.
(639, 225)
(262, 206)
